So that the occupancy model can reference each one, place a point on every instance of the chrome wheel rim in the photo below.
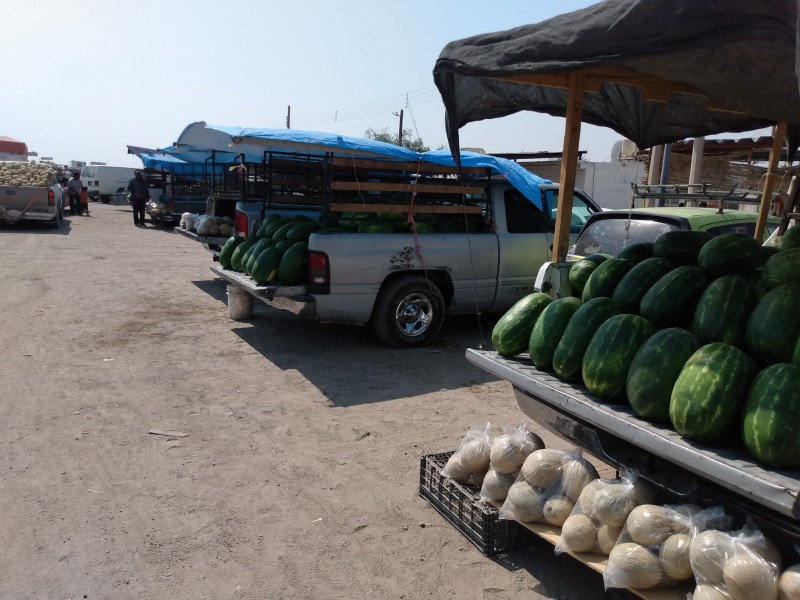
(414, 314)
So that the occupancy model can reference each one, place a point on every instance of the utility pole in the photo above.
(289, 117)
(400, 133)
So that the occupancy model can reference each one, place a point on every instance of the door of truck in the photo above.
(525, 235)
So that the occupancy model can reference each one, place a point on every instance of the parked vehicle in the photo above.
(103, 180)
(474, 246)
(29, 191)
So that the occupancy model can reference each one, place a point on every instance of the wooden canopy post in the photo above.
(766, 196)
(569, 164)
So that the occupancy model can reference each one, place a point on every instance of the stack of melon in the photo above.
(22, 173)
(694, 330)
(277, 252)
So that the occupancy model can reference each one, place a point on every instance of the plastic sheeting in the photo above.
(736, 54)
(228, 145)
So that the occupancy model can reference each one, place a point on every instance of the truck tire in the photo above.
(408, 312)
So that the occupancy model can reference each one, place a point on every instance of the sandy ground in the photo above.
(299, 476)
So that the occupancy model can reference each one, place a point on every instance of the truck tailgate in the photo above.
(614, 433)
(267, 291)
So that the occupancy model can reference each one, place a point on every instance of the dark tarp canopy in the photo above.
(732, 63)
(655, 71)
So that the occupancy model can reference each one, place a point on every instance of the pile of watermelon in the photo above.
(697, 331)
(277, 252)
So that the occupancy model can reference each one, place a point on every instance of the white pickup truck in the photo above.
(403, 283)
(29, 191)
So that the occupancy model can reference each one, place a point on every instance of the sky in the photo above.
(84, 79)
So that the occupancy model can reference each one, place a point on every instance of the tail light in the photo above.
(51, 198)
(319, 273)
(240, 223)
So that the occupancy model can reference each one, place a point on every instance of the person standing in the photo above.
(74, 190)
(140, 194)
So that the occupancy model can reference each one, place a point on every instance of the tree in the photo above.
(415, 144)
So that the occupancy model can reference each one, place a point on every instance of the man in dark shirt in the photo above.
(140, 194)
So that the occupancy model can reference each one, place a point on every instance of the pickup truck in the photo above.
(403, 283)
(29, 191)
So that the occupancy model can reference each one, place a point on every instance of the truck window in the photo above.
(580, 210)
(522, 216)
(609, 236)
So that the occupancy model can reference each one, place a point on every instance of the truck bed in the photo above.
(685, 470)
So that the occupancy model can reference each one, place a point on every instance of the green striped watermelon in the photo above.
(580, 271)
(680, 247)
(568, 357)
(782, 267)
(707, 398)
(774, 325)
(723, 310)
(637, 252)
(671, 300)
(731, 254)
(771, 417)
(265, 268)
(604, 279)
(634, 285)
(240, 251)
(226, 253)
(610, 352)
(791, 238)
(511, 335)
(548, 330)
(654, 370)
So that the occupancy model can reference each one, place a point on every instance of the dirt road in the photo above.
(298, 476)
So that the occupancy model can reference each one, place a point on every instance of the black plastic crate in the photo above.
(462, 506)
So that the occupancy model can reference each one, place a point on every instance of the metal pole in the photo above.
(664, 171)
(400, 133)
(696, 169)
(289, 117)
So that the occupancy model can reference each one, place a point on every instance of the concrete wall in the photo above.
(608, 183)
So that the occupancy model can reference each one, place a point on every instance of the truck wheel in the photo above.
(409, 312)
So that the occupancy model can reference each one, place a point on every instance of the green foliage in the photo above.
(412, 143)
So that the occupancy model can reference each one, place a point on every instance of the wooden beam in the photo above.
(407, 166)
(569, 165)
(421, 188)
(405, 208)
(769, 182)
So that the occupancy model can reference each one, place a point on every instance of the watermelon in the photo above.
(604, 279)
(610, 352)
(580, 270)
(276, 224)
(637, 252)
(373, 227)
(226, 253)
(548, 330)
(707, 398)
(271, 218)
(240, 251)
(250, 256)
(731, 254)
(284, 245)
(654, 370)
(281, 232)
(421, 227)
(568, 356)
(265, 268)
(771, 416)
(301, 231)
(512, 333)
(672, 299)
(723, 310)
(783, 267)
(292, 267)
(791, 238)
(634, 285)
(680, 247)
(758, 284)
(774, 325)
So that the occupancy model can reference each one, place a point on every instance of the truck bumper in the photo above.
(293, 298)
(12, 215)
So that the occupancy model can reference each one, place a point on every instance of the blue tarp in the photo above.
(233, 144)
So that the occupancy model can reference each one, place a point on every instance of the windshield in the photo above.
(609, 236)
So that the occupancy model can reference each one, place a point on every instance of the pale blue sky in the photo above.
(84, 78)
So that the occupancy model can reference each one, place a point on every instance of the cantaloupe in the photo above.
(556, 510)
(542, 468)
(586, 499)
(612, 504)
(707, 555)
(708, 592)
(578, 533)
(495, 485)
(631, 565)
(508, 452)
(649, 524)
(475, 454)
(575, 475)
(748, 576)
(607, 536)
(789, 582)
(524, 502)
(674, 556)
(455, 470)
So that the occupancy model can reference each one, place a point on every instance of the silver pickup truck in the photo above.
(403, 284)
(29, 191)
